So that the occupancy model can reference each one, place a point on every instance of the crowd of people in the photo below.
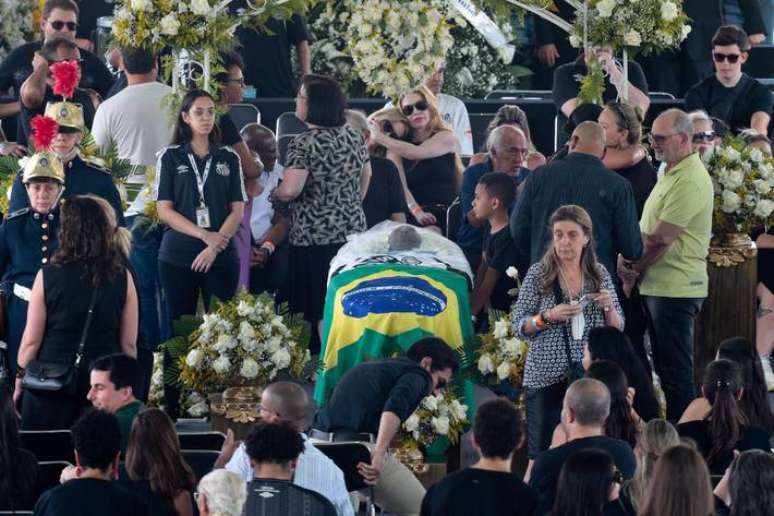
(609, 237)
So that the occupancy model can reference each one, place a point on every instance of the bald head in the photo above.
(260, 140)
(508, 148)
(287, 399)
(589, 401)
(589, 138)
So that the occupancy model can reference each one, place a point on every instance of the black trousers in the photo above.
(544, 411)
(182, 287)
(273, 276)
(636, 325)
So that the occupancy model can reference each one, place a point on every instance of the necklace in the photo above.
(567, 284)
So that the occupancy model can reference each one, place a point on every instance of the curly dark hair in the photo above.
(96, 439)
(274, 443)
(90, 236)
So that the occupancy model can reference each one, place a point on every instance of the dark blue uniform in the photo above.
(27, 241)
(81, 178)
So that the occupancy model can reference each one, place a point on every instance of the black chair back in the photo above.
(49, 445)
(201, 440)
(201, 461)
(346, 456)
(288, 126)
(519, 94)
(243, 114)
(453, 220)
(48, 476)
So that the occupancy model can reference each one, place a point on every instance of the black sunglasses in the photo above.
(408, 110)
(720, 57)
(618, 477)
(388, 129)
(704, 136)
(59, 25)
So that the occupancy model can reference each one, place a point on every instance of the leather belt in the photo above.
(337, 437)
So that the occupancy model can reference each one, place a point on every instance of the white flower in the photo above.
(249, 368)
(244, 309)
(756, 156)
(731, 201)
(200, 7)
(222, 364)
(734, 179)
(575, 41)
(273, 344)
(140, 5)
(194, 358)
(440, 425)
(761, 186)
(246, 331)
(730, 154)
(511, 346)
(605, 8)
(169, 25)
(198, 409)
(281, 358)
(668, 11)
(764, 209)
(503, 371)
(412, 423)
(685, 31)
(632, 38)
(225, 343)
(458, 410)
(485, 364)
(512, 272)
(430, 403)
(500, 329)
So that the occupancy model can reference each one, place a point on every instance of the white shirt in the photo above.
(314, 471)
(138, 122)
(263, 211)
(454, 113)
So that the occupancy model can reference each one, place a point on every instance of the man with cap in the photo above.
(28, 238)
(82, 175)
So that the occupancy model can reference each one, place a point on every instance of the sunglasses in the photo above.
(704, 136)
(59, 25)
(388, 129)
(720, 57)
(408, 110)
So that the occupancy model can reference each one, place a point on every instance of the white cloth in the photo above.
(138, 122)
(263, 211)
(314, 471)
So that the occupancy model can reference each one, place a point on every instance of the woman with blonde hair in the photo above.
(84, 298)
(680, 485)
(658, 436)
(392, 123)
(429, 166)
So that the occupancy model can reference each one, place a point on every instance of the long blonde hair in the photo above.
(549, 261)
(658, 436)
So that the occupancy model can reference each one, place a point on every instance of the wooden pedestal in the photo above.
(729, 311)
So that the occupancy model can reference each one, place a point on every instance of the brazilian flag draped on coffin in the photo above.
(379, 304)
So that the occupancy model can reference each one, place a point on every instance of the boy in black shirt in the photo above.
(495, 192)
(487, 488)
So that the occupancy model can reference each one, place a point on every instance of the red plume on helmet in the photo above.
(44, 130)
(65, 75)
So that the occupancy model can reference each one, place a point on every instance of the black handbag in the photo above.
(574, 370)
(55, 377)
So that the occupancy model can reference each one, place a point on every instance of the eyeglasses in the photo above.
(720, 57)
(659, 139)
(618, 477)
(241, 81)
(704, 136)
(196, 496)
(408, 110)
(59, 25)
(388, 129)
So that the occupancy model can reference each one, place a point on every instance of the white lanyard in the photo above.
(200, 179)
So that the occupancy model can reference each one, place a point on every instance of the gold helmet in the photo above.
(68, 115)
(43, 165)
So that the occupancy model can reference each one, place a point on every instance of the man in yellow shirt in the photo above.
(676, 226)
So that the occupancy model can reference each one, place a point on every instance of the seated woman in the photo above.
(753, 403)
(680, 485)
(588, 485)
(606, 342)
(18, 467)
(747, 486)
(155, 468)
(515, 116)
(392, 123)
(725, 428)
(428, 163)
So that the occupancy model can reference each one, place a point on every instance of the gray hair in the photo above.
(589, 399)
(225, 491)
(699, 116)
(497, 135)
(681, 122)
(357, 120)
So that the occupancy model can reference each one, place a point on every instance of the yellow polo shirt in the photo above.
(683, 197)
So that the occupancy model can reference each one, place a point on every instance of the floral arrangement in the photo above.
(743, 178)
(501, 354)
(243, 342)
(156, 389)
(646, 26)
(17, 24)
(396, 45)
(437, 416)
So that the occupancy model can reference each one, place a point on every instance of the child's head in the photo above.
(495, 192)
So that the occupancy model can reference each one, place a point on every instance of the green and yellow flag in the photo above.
(375, 311)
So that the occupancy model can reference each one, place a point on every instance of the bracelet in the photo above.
(20, 372)
(415, 210)
(538, 323)
(269, 246)
(544, 317)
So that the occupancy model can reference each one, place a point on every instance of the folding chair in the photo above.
(243, 114)
(661, 95)
(48, 445)
(346, 456)
(519, 95)
(201, 440)
(453, 219)
(48, 476)
(201, 461)
(288, 126)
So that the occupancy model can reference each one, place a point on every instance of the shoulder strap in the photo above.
(566, 336)
(87, 324)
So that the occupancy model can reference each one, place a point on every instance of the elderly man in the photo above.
(581, 178)
(676, 226)
(507, 149)
(704, 136)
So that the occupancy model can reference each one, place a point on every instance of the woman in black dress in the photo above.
(430, 169)
(91, 261)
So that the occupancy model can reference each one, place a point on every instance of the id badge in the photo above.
(203, 217)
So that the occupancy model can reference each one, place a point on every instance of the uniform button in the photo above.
(44, 248)
(36, 215)
(44, 237)
(44, 260)
(44, 225)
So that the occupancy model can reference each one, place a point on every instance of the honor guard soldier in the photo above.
(82, 175)
(28, 239)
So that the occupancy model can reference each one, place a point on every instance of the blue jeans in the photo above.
(154, 318)
(670, 324)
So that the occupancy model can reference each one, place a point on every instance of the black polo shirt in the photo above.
(176, 182)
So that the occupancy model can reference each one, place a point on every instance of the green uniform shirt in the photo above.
(683, 196)
(125, 416)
